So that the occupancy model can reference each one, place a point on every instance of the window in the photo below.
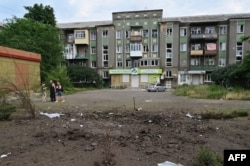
(169, 31)
(93, 50)
(93, 64)
(196, 30)
(154, 33)
(128, 63)
(105, 56)
(145, 48)
(183, 31)
(222, 46)
(222, 62)
(154, 48)
(210, 30)
(239, 51)
(145, 33)
(208, 77)
(119, 63)
(169, 73)
(70, 38)
(169, 54)
(223, 29)
(196, 46)
(240, 28)
(118, 34)
(119, 49)
(127, 35)
(127, 50)
(195, 62)
(182, 77)
(183, 47)
(149, 62)
(92, 35)
(80, 34)
(135, 47)
(209, 61)
(105, 74)
(104, 33)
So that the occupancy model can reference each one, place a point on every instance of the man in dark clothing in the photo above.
(52, 91)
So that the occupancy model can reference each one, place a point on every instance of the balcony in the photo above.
(211, 52)
(196, 53)
(136, 35)
(82, 56)
(205, 36)
(203, 67)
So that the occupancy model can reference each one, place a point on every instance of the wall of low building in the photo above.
(20, 68)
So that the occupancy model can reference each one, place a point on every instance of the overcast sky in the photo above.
(101, 10)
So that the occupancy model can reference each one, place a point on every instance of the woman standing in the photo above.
(59, 92)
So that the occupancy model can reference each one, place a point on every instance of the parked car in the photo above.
(156, 88)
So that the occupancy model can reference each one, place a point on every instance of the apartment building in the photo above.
(137, 48)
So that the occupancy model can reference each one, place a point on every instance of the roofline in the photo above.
(24, 55)
(138, 11)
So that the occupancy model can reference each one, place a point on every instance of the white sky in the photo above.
(101, 10)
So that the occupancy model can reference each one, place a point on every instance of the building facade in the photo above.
(137, 48)
(20, 68)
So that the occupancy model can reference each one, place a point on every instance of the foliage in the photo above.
(60, 74)
(5, 108)
(84, 76)
(201, 91)
(206, 157)
(34, 36)
(223, 76)
(224, 115)
(40, 13)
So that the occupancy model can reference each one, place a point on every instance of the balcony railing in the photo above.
(204, 67)
(204, 36)
(210, 52)
(136, 38)
(81, 56)
(196, 52)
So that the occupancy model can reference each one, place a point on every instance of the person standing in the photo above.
(43, 89)
(52, 91)
(59, 92)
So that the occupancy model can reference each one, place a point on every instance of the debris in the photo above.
(167, 163)
(72, 120)
(148, 101)
(81, 125)
(139, 109)
(52, 115)
(5, 155)
(189, 115)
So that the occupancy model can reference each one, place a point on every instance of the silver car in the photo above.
(156, 88)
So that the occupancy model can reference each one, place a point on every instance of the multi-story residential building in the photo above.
(137, 48)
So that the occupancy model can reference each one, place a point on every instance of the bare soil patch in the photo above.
(121, 128)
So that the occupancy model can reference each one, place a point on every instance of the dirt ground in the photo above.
(120, 127)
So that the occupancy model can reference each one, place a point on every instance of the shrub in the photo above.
(207, 157)
(6, 110)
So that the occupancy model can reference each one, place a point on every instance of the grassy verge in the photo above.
(212, 92)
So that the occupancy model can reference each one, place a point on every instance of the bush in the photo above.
(224, 115)
(6, 110)
(206, 157)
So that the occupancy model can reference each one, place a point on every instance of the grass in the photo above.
(206, 157)
(216, 114)
(212, 92)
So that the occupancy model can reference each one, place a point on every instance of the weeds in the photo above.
(223, 115)
(207, 157)
(108, 147)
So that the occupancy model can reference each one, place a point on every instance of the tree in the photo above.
(34, 36)
(40, 13)
(84, 76)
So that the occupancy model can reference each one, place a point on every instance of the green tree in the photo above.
(87, 76)
(40, 13)
(34, 36)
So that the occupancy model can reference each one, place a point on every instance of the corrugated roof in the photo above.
(75, 25)
(206, 18)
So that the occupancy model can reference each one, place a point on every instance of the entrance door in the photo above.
(134, 81)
